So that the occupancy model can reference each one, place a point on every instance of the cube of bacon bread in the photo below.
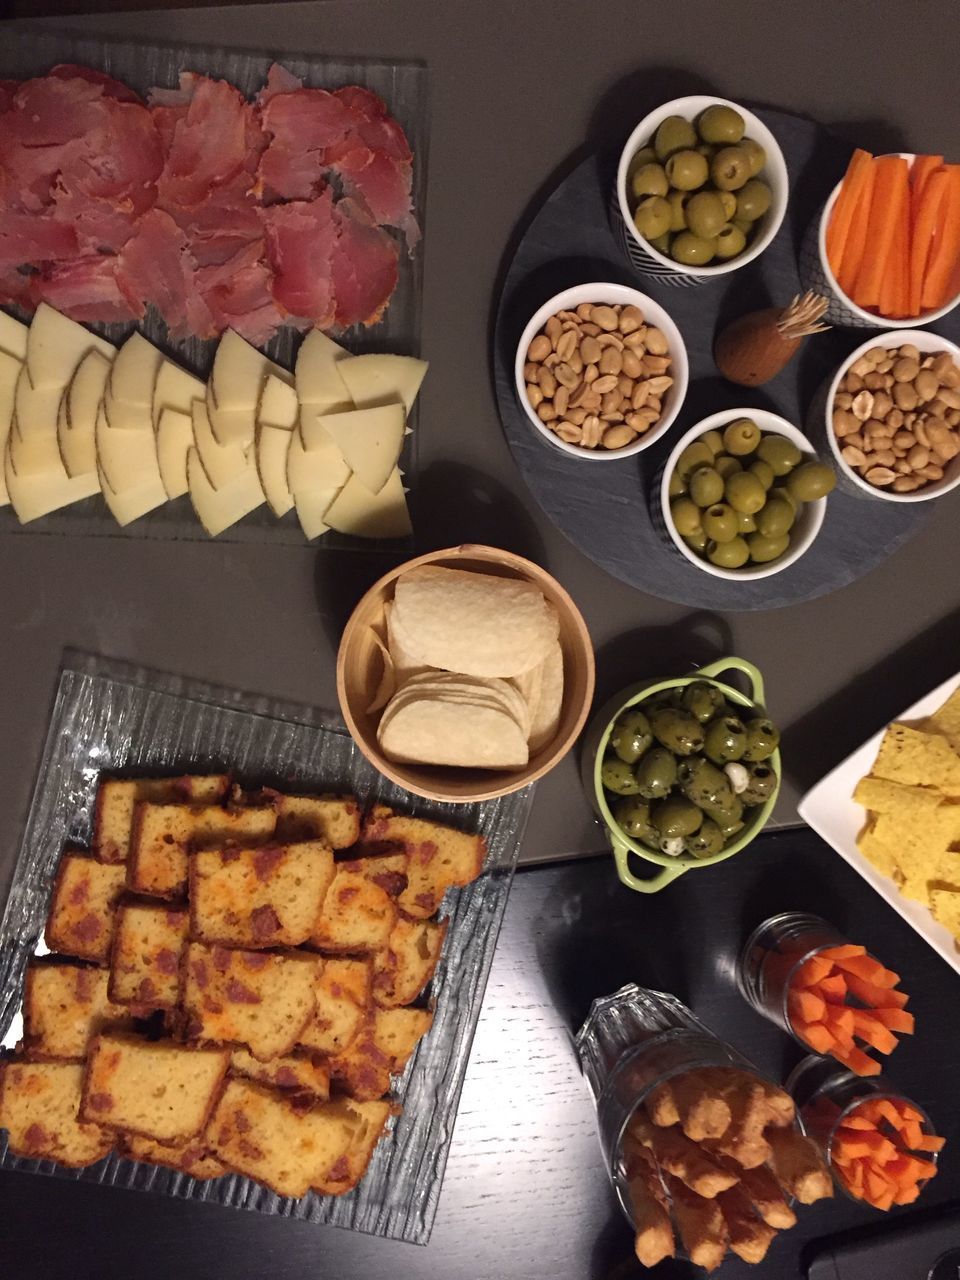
(262, 1134)
(39, 1105)
(342, 993)
(161, 1089)
(266, 897)
(407, 963)
(332, 819)
(357, 915)
(252, 998)
(83, 907)
(382, 1047)
(118, 797)
(387, 870)
(302, 1074)
(148, 945)
(164, 834)
(192, 1157)
(64, 1006)
(438, 857)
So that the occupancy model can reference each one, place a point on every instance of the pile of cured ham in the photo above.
(217, 211)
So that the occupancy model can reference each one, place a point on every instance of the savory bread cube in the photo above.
(64, 1006)
(263, 1134)
(148, 944)
(438, 857)
(163, 835)
(250, 998)
(350, 1168)
(161, 1089)
(388, 870)
(265, 897)
(343, 997)
(83, 907)
(333, 819)
(39, 1105)
(405, 966)
(382, 1048)
(118, 797)
(191, 1157)
(302, 1074)
(357, 915)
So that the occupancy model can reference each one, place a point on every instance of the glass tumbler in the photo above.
(771, 957)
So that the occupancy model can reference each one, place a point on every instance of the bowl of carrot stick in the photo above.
(885, 249)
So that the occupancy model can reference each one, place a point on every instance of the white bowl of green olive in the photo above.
(702, 190)
(743, 494)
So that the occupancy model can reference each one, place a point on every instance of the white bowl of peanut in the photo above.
(601, 371)
(893, 416)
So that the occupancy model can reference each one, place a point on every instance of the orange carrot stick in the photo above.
(920, 171)
(845, 951)
(869, 970)
(833, 989)
(895, 290)
(926, 215)
(856, 246)
(895, 1020)
(891, 182)
(940, 280)
(807, 1006)
(818, 1037)
(812, 971)
(845, 205)
(874, 996)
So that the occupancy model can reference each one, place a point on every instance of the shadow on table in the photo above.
(824, 737)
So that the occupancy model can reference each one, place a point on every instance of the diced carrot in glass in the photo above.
(857, 1122)
(930, 1142)
(887, 1110)
(860, 1063)
(885, 1201)
(907, 1195)
(833, 988)
(845, 952)
(857, 1148)
(817, 1037)
(896, 1020)
(806, 1005)
(911, 1133)
(907, 1110)
(874, 996)
(841, 1019)
(813, 970)
(872, 1032)
(878, 1185)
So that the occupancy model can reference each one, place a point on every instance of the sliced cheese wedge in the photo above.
(56, 345)
(78, 437)
(369, 439)
(174, 438)
(13, 337)
(124, 416)
(36, 408)
(312, 508)
(129, 505)
(9, 373)
(273, 445)
(357, 511)
(134, 373)
(36, 496)
(317, 380)
(231, 426)
(236, 381)
(279, 406)
(322, 466)
(175, 389)
(36, 454)
(218, 509)
(222, 463)
(127, 459)
(382, 379)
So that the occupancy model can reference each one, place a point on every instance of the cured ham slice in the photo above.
(239, 295)
(88, 290)
(217, 137)
(381, 183)
(110, 87)
(363, 267)
(300, 239)
(17, 288)
(34, 238)
(376, 127)
(43, 128)
(157, 264)
(7, 89)
(279, 80)
(303, 126)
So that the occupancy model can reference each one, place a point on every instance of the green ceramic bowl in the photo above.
(595, 746)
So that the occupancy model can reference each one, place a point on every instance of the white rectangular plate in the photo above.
(831, 810)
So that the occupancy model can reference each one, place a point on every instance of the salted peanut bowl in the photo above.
(360, 667)
(646, 350)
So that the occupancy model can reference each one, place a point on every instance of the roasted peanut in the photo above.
(611, 361)
(606, 318)
(618, 436)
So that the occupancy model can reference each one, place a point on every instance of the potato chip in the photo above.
(473, 623)
(501, 693)
(404, 663)
(946, 720)
(388, 680)
(918, 759)
(437, 731)
(546, 715)
(883, 796)
(945, 905)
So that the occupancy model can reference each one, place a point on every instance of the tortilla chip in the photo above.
(945, 905)
(879, 855)
(882, 796)
(918, 759)
(946, 720)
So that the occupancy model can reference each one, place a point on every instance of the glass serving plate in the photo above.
(116, 717)
(27, 51)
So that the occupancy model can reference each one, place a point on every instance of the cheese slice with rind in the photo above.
(77, 438)
(369, 439)
(35, 408)
(56, 345)
(317, 381)
(9, 373)
(312, 507)
(13, 337)
(218, 509)
(364, 514)
(174, 438)
(279, 406)
(126, 459)
(145, 495)
(273, 445)
(222, 463)
(36, 454)
(318, 467)
(36, 496)
(382, 379)
(123, 416)
(133, 375)
(236, 382)
(175, 388)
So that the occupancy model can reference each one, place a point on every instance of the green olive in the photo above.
(746, 522)
(720, 123)
(675, 816)
(617, 776)
(730, 242)
(810, 481)
(646, 155)
(677, 486)
(705, 216)
(685, 515)
(652, 217)
(763, 738)
(714, 441)
(706, 486)
(678, 730)
(741, 437)
(633, 818)
(724, 740)
(673, 134)
(780, 454)
(729, 202)
(687, 170)
(631, 736)
(649, 180)
(719, 522)
(691, 250)
(763, 471)
(696, 541)
(730, 169)
(753, 200)
(744, 492)
(732, 554)
(677, 201)
(743, 225)
(706, 150)
(706, 842)
(705, 784)
(655, 774)
(756, 155)
(781, 491)
(762, 785)
(696, 454)
(729, 826)
(764, 550)
(703, 700)
(661, 243)
(725, 810)
(726, 464)
(776, 518)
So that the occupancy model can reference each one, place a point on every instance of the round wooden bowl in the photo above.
(360, 664)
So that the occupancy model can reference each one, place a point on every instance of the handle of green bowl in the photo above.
(713, 669)
(621, 856)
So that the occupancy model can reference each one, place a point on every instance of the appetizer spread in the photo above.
(233, 982)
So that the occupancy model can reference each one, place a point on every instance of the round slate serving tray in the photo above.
(606, 510)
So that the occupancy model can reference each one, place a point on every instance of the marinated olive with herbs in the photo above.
(761, 785)
(725, 740)
(655, 774)
(631, 736)
(705, 784)
(678, 730)
(763, 738)
(633, 817)
(676, 816)
(618, 777)
(702, 700)
(705, 841)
